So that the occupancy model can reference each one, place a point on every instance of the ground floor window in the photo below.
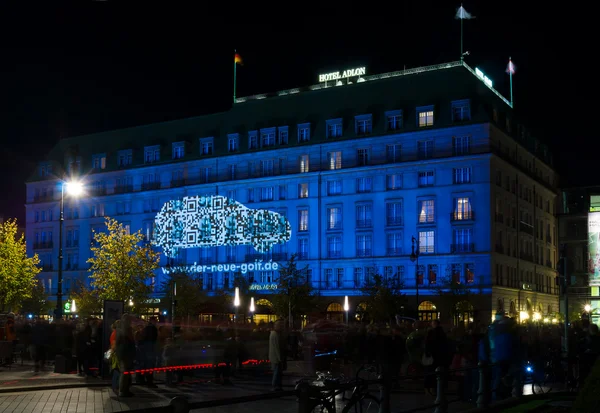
(428, 311)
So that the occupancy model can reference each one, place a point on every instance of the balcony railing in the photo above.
(363, 252)
(462, 248)
(123, 189)
(394, 252)
(526, 228)
(146, 186)
(43, 245)
(462, 216)
(364, 223)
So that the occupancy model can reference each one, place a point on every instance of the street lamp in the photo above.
(236, 302)
(74, 189)
(252, 309)
(346, 307)
(587, 308)
(414, 256)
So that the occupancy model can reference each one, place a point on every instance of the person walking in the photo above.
(275, 356)
(125, 347)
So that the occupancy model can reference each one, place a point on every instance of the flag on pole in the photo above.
(237, 59)
(510, 69)
(462, 14)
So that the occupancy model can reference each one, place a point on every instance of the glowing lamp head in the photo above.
(529, 369)
(587, 308)
(74, 188)
(73, 307)
(252, 309)
(346, 304)
(236, 299)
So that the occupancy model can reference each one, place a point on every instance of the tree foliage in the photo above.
(189, 293)
(455, 295)
(87, 300)
(294, 294)
(122, 265)
(384, 298)
(38, 303)
(17, 271)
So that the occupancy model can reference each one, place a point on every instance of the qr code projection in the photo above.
(210, 221)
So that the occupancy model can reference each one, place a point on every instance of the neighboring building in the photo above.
(358, 170)
(578, 207)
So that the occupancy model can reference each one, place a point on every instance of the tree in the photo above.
(189, 293)
(384, 298)
(294, 295)
(87, 300)
(122, 264)
(17, 271)
(38, 303)
(455, 296)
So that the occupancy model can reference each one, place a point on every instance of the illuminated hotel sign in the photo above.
(359, 71)
(594, 248)
(212, 221)
(263, 287)
(483, 77)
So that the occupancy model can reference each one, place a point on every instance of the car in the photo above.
(214, 220)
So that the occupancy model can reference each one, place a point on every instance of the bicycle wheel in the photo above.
(366, 404)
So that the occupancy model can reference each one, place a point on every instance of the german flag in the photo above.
(237, 59)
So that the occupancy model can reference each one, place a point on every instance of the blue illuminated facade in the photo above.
(357, 170)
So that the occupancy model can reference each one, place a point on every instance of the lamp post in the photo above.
(346, 307)
(414, 256)
(73, 189)
(252, 309)
(236, 303)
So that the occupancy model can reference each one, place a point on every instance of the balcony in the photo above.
(123, 189)
(462, 216)
(147, 186)
(393, 221)
(278, 256)
(98, 191)
(43, 245)
(526, 228)
(175, 183)
(363, 252)
(364, 223)
(462, 248)
(394, 252)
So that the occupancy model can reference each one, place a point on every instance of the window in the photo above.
(393, 153)
(334, 187)
(425, 149)
(250, 194)
(469, 273)
(364, 216)
(267, 137)
(393, 181)
(205, 174)
(45, 170)
(426, 178)
(151, 154)
(426, 211)
(304, 164)
(463, 240)
(304, 132)
(178, 150)
(303, 248)
(432, 273)
(393, 213)
(335, 160)
(232, 171)
(334, 128)
(303, 220)
(362, 156)
(394, 244)
(462, 209)
(266, 168)
(455, 275)
(266, 193)
(282, 192)
(303, 190)
(282, 135)
(461, 145)
(282, 166)
(461, 111)
(231, 194)
(233, 142)
(426, 242)
(394, 120)
(334, 246)
(252, 140)
(425, 116)
(334, 217)
(461, 175)
(125, 157)
(99, 161)
(206, 146)
(363, 124)
(364, 243)
(364, 184)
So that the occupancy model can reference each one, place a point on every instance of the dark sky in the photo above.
(82, 67)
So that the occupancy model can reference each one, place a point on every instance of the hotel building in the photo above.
(359, 166)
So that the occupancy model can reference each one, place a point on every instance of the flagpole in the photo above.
(510, 77)
(234, 74)
(462, 57)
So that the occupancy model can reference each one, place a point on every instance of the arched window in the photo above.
(463, 313)
(428, 311)
(500, 305)
(335, 312)
(513, 309)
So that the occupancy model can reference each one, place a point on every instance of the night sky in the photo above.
(92, 66)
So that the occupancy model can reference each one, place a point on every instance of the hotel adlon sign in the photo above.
(359, 71)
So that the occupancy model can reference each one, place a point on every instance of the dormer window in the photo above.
(45, 170)
(233, 142)
(425, 116)
(363, 124)
(207, 146)
(125, 158)
(74, 165)
(394, 120)
(282, 135)
(461, 110)
(99, 161)
(303, 132)
(152, 154)
(334, 128)
(178, 150)
(252, 140)
(267, 137)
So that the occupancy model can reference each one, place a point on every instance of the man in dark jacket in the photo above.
(125, 348)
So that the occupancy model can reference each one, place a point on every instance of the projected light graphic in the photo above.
(211, 221)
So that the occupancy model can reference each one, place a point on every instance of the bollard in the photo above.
(302, 391)
(441, 402)
(179, 405)
(483, 394)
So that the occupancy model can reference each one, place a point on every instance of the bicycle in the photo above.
(540, 383)
(361, 400)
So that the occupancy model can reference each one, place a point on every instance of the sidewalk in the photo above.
(24, 378)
